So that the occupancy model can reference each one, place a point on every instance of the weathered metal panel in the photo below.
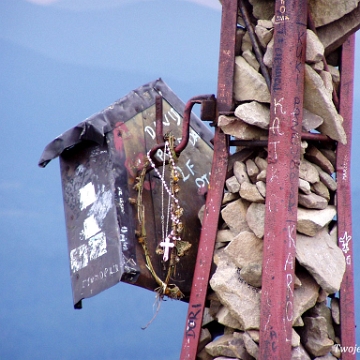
(282, 179)
(97, 245)
(100, 160)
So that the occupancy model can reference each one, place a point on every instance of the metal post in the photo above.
(282, 179)
(217, 180)
(347, 317)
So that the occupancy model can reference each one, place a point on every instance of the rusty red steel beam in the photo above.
(347, 316)
(217, 180)
(260, 143)
(286, 110)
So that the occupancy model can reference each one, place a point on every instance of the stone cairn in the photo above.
(231, 322)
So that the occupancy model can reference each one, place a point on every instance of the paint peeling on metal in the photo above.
(91, 227)
(80, 256)
(101, 207)
(87, 195)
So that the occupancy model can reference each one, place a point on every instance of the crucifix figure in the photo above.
(166, 244)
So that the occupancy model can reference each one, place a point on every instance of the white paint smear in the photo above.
(91, 227)
(83, 254)
(79, 258)
(87, 195)
(101, 207)
(97, 246)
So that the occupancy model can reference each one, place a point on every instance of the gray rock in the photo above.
(308, 172)
(234, 215)
(295, 338)
(328, 83)
(255, 335)
(229, 197)
(224, 120)
(335, 350)
(322, 296)
(224, 236)
(246, 42)
(251, 273)
(220, 346)
(299, 353)
(224, 317)
(255, 218)
(314, 155)
(261, 163)
(335, 34)
(314, 336)
(330, 155)
(243, 131)
(310, 222)
(252, 170)
(327, 11)
(261, 186)
(203, 355)
(317, 100)
(232, 184)
(240, 172)
(263, 9)
(268, 56)
(326, 179)
(207, 317)
(248, 83)
(250, 345)
(245, 249)
(326, 357)
(314, 47)
(318, 66)
(249, 56)
(242, 300)
(320, 309)
(264, 35)
(322, 258)
(304, 296)
(312, 201)
(267, 24)
(321, 189)
(254, 113)
(304, 186)
(205, 338)
(251, 193)
(335, 310)
(310, 120)
(261, 176)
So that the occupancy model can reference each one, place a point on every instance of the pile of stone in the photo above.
(231, 322)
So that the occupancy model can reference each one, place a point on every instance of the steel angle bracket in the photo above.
(217, 180)
(343, 198)
(286, 108)
(100, 159)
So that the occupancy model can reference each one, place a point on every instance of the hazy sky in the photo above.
(62, 61)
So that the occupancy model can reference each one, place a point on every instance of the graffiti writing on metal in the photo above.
(345, 247)
(102, 274)
(188, 170)
(192, 320)
(281, 14)
(283, 172)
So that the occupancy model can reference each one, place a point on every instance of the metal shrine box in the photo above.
(100, 159)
